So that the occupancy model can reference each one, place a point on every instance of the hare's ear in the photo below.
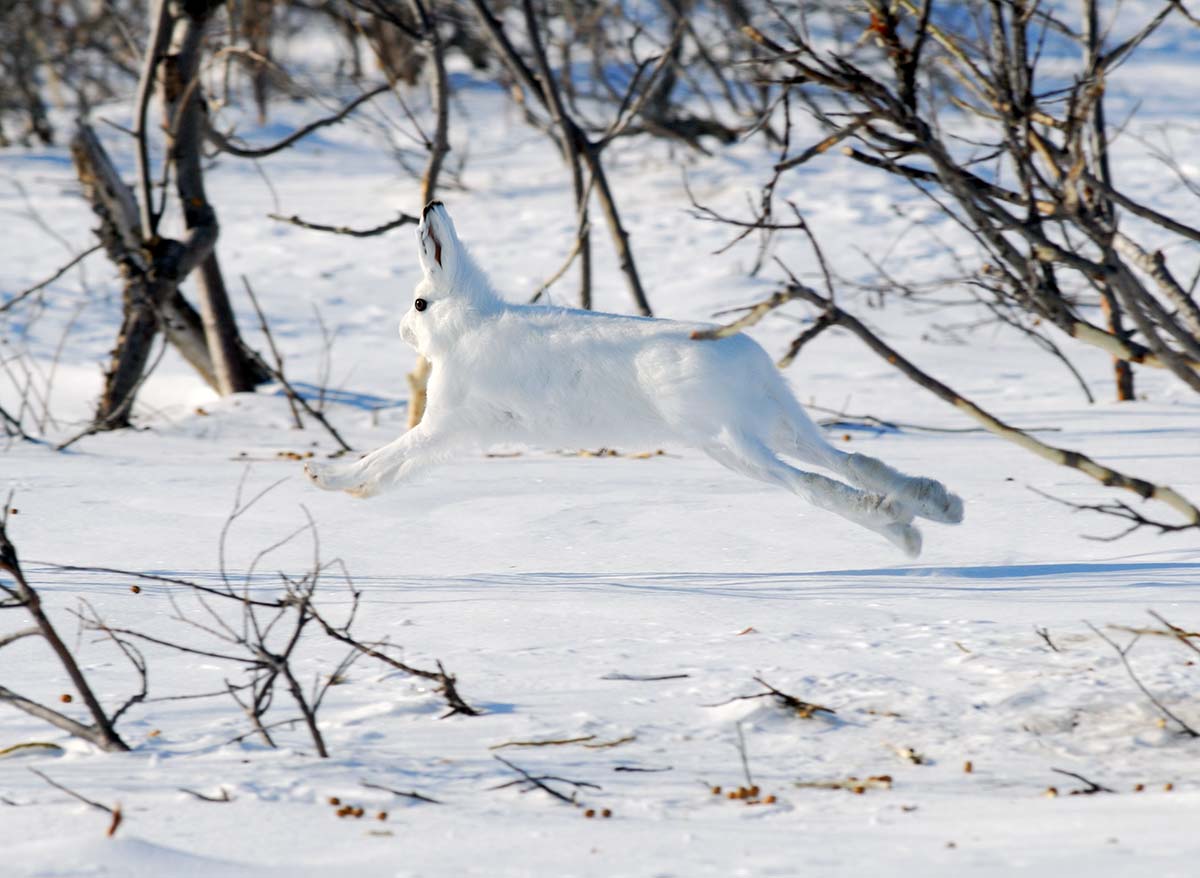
(437, 243)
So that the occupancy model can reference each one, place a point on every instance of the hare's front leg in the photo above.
(331, 476)
(385, 466)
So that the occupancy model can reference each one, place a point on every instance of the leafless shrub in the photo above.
(1053, 235)
(1063, 234)
(20, 595)
(65, 53)
(1170, 716)
(260, 629)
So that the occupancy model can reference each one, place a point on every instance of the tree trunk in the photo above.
(148, 298)
(1098, 136)
(129, 357)
(183, 106)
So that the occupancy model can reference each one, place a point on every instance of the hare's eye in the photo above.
(420, 304)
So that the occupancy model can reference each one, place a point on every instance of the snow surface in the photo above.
(534, 577)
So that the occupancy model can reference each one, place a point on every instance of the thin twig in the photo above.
(266, 330)
(539, 782)
(291, 392)
(224, 144)
(404, 219)
(447, 683)
(45, 283)
(224, 797)
(70, 792)
(1092, 786)
(635, 768)
(550, 743)
(1123, 654)
(741, 748)
(408, 795)
(803, 709)
(1179, 633)
(615, 742)
(1045, 635)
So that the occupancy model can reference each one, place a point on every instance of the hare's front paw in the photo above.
(369, 488)
(329, 476)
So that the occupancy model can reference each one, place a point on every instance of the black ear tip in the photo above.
(430, 206)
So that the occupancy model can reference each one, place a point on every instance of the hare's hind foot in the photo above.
(904, 536)
(923, 497)
(930, 499)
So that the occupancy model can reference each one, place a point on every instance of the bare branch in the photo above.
(1091, 788)
(404, 219)
(803, 709)
(1061, 456)
(70, 792)
(407, 795)
(541, 782)
(18, 635)
(293, 395)
(1045, 635)
(1123, 654)
(224, 797)
(102, 733)
(225, 144)
(447, 682)
(550, 743)
(1184, 637)
(24, 294)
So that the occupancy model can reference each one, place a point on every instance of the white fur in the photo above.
(559, 377)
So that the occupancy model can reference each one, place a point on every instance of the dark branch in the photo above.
(224, 144)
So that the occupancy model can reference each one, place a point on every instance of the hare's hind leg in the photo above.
(927, 498)
(880, 514)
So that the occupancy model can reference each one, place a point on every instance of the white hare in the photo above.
(555, 376)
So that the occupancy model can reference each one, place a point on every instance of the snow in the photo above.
(534, 577)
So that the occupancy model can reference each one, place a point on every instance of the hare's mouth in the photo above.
(408, 336)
